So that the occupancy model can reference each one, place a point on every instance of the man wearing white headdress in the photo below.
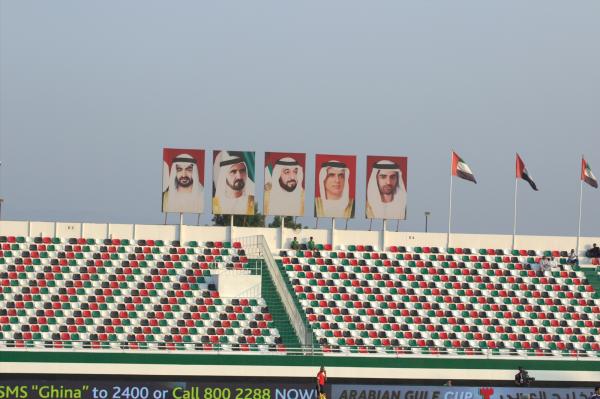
(386, 194)
(184, 191)
(335, 201)
(233, 190)
(284, 195)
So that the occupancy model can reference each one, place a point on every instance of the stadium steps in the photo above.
(315, 342)
(276, 308)
(593, 278)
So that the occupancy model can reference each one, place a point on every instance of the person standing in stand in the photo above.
(321, 381)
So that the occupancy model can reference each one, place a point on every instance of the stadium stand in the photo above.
(151, 294)
(87, 293)
(428, 300)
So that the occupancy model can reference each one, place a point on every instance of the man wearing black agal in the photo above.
(522, 378)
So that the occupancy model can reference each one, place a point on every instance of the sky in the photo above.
(91, 92)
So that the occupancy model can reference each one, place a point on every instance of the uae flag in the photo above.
(461, 169)
(587, 175)
(523, 174)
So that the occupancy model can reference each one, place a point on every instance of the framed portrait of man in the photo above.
(233, 182)
(335, 185)
(284, 184)
(386, 187)
(183, 180)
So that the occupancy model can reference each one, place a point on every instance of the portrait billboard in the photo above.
(183, 180)
(233, 183)
(284, 184)
(386, 187)
(335, 185)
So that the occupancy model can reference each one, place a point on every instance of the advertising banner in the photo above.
(233, 183)
(284, 184)
(433, 392)
(183, 180)
(240, 388)
(109, 388)
(386, 187)
(335, 185)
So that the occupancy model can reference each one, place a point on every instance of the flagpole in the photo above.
(449, 215)
(580, 206)
(515, 215)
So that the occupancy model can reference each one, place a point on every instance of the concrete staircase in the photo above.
(591, 273)
(276, 308)
(315, 343)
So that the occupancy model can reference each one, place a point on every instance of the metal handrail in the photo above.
(263, 252)
(345, 352)
(301, 328)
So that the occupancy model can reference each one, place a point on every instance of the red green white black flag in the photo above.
(587, 175)
(522, 173)
(461, 169)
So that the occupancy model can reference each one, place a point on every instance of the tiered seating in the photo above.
(422, 299)
(119, 294)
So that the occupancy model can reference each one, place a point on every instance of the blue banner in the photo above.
(431, 392)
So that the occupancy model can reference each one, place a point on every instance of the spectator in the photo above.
(593, 252)
(544, 264)
(311, 244)
(572, 259)
(522, 378)
(596, 394)
(294, 244)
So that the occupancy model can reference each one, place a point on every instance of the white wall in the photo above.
(557, 373)
(320, 236)
(271, 234)
(554, 242)
(274, 235)
(120, 231)
(482, 241)
(233, 284)
(44, 229)
(414, 239)
(347, 237)
(204, 233)
(496, 241)
(67, 230)
(99, 231)
(586, 242)
(8, 228)
(166, 232)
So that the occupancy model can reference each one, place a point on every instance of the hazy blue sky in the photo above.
(90, 93)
